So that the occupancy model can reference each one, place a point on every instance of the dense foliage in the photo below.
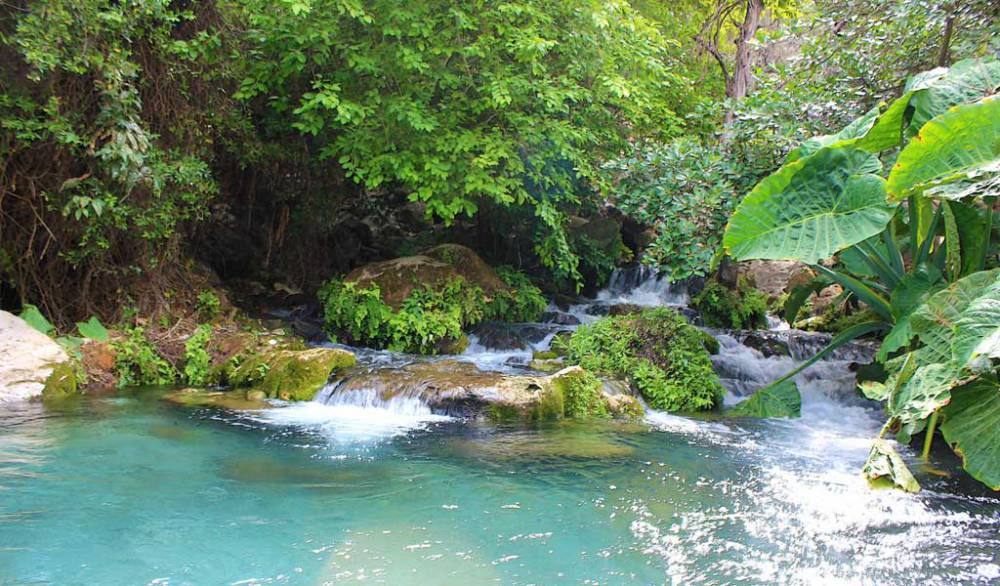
(719, 306)
(431, 319)
(657, 351)
(936, 204)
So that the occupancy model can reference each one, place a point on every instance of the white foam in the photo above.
(358, 416)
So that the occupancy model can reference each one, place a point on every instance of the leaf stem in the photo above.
(930, 435)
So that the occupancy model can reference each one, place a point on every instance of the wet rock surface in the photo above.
(31, 363)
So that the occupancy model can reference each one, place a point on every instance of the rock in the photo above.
(766, 344)
(99, 363)
(233, 400)
(499, 336)
(453, 346)
(624, 309)
(33, 364)
(560, 318)
(773, 277)
(469, 265)
(290, 375)
(460, 387)
(398, 277)
(547, 364)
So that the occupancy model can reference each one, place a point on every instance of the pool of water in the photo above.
(127, 489)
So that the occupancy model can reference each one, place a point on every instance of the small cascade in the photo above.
(639, 284)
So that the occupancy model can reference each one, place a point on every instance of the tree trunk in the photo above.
(944, 56)
(739, 83)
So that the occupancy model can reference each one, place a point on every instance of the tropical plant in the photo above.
(900, 241)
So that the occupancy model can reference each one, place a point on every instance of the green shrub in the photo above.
(582, 397)
(721, 307)
(208, 304)
(657, 351)
(138, 363)
(522, 302)
(429, 318)
(196, 357)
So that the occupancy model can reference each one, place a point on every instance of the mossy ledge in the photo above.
(287, 374)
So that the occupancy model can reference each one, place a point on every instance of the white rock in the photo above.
(27, 358)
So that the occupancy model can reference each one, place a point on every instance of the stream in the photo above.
(129, 489)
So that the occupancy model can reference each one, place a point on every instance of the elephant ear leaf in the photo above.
(955, 155)
(935, 91)
(92, 329)
(947, 332)
(35, 319)
(886, 468)
(811, 209)
(972, 428)
(780, 400)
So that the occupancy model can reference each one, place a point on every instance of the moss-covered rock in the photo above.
(31, 363)
(239, 400)
(461, 387)
(741, 308)
(657, 351)
(290, 375)
(61, 383)
(399, 277)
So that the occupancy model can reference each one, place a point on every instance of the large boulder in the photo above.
(31, 363)
(461, 387)
(397, 278)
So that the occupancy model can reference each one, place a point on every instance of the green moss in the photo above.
(291, 375)
(582, 395)
(62, 382)
(657, 351)
(551, 405)
(503, 413)
(710, 343)
(544, 355)
(721, 307)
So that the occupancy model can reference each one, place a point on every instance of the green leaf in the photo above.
(781, 400)
(885, 467)
(977, 331)
(972, 428)
(92, 329)
(35, 319)
(799, 295)
(962, 144)
(850, 133)
(935, 91)
(947, 332)
(912, 292)
(811, 209)
(925, 392)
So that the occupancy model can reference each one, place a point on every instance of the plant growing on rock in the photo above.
(721, 307)
(912, 246)
(662, 355)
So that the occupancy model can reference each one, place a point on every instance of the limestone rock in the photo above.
(31, 363)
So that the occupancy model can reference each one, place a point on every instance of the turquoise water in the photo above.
(131, 490)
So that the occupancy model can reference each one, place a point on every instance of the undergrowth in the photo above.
(657, 351)
(721, 307)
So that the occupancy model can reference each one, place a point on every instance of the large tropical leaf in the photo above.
(913, 290)
(35, 319)
(782, 400)
(977, 331)
(936, 323)
(811, 209)
(961, 145)
(935, 91)
(922, 394)
(857, 129)
(885, 467)
(972, 428)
